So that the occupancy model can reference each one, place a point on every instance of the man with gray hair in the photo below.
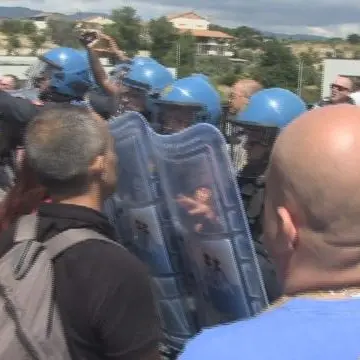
(102, 291)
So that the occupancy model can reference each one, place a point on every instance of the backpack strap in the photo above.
(28, 248)
(26, 228)
(68, 238)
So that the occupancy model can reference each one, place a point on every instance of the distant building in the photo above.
(41, 19)
(96, 22)
(209, 42)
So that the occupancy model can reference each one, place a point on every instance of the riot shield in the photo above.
(118, 215)
(206, 207)
(155, 241)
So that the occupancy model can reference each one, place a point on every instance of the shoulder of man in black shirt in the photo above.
(16, 109)
(103, 292)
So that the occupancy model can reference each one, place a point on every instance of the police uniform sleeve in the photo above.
(15, 109)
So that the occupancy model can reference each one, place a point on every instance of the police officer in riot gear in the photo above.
(135, 82)
(252, 136)
(187, 101)
(63, 76)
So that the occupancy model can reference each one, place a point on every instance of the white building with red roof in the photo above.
(210, 42)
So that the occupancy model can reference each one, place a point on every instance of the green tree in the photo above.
(29, 28)
(37, 41)
(278, 67)
(13, 44)
(353, 39)
(63, 33)
(311, 94)
(228, 79)
(356, 54)
(213, 65)
(224, 29)
(311, 76)
(309, 57)
(248, 38)
(182, 55)
(126, 29)
(339, 54)
(11, 26)
(163, 35)
(247, 32)
(246, 54)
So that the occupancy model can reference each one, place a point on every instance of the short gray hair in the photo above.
(60, 143)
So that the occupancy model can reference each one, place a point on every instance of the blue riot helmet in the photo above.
(254, 130)
(66, 71)
(142, 60)
(273, 107)
(121, 69)
(187, 101)
(203, 76)
(143, 82)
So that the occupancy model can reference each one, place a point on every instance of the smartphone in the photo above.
(88, 37)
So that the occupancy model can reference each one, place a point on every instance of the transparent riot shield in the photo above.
(155, 241)
(206, 207)
(118, 215)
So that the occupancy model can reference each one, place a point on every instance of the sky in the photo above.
(318, 17)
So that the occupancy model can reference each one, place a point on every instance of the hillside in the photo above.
(23, 12)
(299, 43)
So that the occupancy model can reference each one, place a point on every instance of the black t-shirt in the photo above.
(103, 292)
(15, 113)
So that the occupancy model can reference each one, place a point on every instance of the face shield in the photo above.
(134, 96)
(172, 118)
(250, 147)
(118, 73)
(40, 74)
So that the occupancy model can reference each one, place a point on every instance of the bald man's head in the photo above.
(312, 206)
(341, 89)
(240, 93)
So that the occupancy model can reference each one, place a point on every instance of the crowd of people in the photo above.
(72, 284)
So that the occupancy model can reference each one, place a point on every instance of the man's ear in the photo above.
(97, 166)
(287, 227)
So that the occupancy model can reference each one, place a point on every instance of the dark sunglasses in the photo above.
(339, 87)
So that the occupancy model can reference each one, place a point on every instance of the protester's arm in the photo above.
(98, 70)
(100, 74)
(128, 321)
(120, 54)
